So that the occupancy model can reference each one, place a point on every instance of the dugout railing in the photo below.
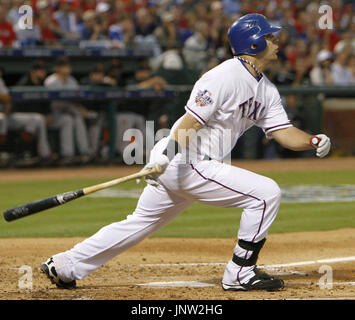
(328, 109)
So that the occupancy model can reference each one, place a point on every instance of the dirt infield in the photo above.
(120, 278)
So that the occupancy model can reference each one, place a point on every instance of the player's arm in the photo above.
(178, 142)
(175, 143)
(297, 140)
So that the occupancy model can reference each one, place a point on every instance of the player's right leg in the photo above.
(156, 207)
(223, 185)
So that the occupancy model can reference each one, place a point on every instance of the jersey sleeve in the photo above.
(205, 98)
(275, 117)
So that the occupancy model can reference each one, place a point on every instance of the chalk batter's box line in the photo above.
(273, 266)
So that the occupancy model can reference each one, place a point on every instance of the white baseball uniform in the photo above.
(227, 100)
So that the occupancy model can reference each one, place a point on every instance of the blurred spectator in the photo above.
(168, 33)
(144, 29)
(69, 117)
(7, 33)
(50, 31)
(231, 7)
(104, 18)
(66, 20)
(122, 30)
(144, 23)
(341, 73)
(196, 47)
(91, 28)
(321, 74)
(30, 123)
(89, 5)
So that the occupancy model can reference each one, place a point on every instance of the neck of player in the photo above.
(258, 63)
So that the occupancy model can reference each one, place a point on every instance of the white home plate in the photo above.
(175, 284)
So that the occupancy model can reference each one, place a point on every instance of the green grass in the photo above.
(85, 216)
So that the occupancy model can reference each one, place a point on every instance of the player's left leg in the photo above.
(156, 207)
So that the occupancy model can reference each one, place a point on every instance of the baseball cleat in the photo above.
(262, 275)
(48, 269)
(261, 281)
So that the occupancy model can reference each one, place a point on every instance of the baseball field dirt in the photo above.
(185, 263)
(121, 277)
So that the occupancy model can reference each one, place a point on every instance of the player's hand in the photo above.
(323, 145)
(157, 158)
(162, 161)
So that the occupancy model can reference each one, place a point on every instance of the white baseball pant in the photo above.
(209, 182)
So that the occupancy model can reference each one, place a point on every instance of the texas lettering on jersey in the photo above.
(251, 109)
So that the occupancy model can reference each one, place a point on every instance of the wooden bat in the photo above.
(59, 199)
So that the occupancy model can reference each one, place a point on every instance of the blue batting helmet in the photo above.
(246, 35)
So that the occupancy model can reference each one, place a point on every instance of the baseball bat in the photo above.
(59, 199)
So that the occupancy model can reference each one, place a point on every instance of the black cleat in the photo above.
(261, 281)
(51, 274)
(262, 275)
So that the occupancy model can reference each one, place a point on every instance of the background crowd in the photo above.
(186, 38)
(193, 30)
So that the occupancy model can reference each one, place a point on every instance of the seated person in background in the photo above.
(97, 77)
(36, 75)
(144, 78)
(321, 74)
(30, 122)
(130, 114)
(114, 74)
(69, 117)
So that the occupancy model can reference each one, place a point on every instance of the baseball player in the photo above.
(224, 102)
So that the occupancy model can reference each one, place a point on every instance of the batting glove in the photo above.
(161, 160)
(323, 145)
(156, 158)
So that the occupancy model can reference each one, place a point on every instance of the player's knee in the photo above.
(273, 191)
